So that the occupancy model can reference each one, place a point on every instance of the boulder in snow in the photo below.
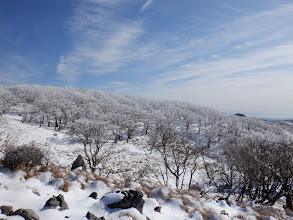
(91, 216)
(27, 214)
(94, 195)
(158, 208)
(53, 202)
(6, 210)
(79, 162)
(63, 205)
(131, 199)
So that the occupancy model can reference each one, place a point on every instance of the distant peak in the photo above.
(240, 115)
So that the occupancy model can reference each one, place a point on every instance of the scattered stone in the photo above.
(132, 198)
(52, 203)
(158, 208)
(79, 162)
(63, 205)
(27, 214)
(66, 216)
(94, 195)
(223, 212)
(91, 216)
(36, 192)
(6, 210)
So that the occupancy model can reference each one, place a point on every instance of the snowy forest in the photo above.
(241, 159)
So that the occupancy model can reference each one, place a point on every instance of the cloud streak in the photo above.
(16, 69)
(251, 70)
(246, 54)
(103, 42)
(147, 4)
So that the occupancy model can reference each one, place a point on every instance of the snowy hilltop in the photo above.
(79, 154)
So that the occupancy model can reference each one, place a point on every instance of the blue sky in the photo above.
(231, 55)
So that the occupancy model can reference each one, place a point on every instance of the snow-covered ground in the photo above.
(129, 169)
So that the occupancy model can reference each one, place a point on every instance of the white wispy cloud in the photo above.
(250, 79)
(16, 69)
(103, 41)
(246, 55)
(248, 63)
(146, 4)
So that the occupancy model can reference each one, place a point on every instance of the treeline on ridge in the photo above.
(243, 157)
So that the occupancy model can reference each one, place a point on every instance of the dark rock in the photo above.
(239, 115)
(94, 195)
(132, 198)
(6, 210)
(52, 202)
(158, 209)
(91, 216)
(27, 214)
(63, 205)
(79, 162)
(66, 216)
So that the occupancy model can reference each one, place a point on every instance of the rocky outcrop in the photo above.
(131, 199)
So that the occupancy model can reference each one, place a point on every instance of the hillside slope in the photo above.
(193, 161)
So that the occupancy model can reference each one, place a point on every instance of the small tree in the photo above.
(93, 135)
(178, 152)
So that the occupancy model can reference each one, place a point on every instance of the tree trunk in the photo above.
(289, 203)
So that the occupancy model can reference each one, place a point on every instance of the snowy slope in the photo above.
(129, 168)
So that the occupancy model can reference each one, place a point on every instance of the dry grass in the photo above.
(240, 216)
(29, 172)
(264, 211)
(103, 179)
(66, 186)
(83, 186)
(127, 181)
(147, 189)
(207, 212)
(118, 183)
(122, 214)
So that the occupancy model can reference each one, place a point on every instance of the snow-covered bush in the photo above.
(25, 156)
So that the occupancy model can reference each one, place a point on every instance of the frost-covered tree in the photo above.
(178, 151)
(94, 136)
(7, 100)
(264, 163)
